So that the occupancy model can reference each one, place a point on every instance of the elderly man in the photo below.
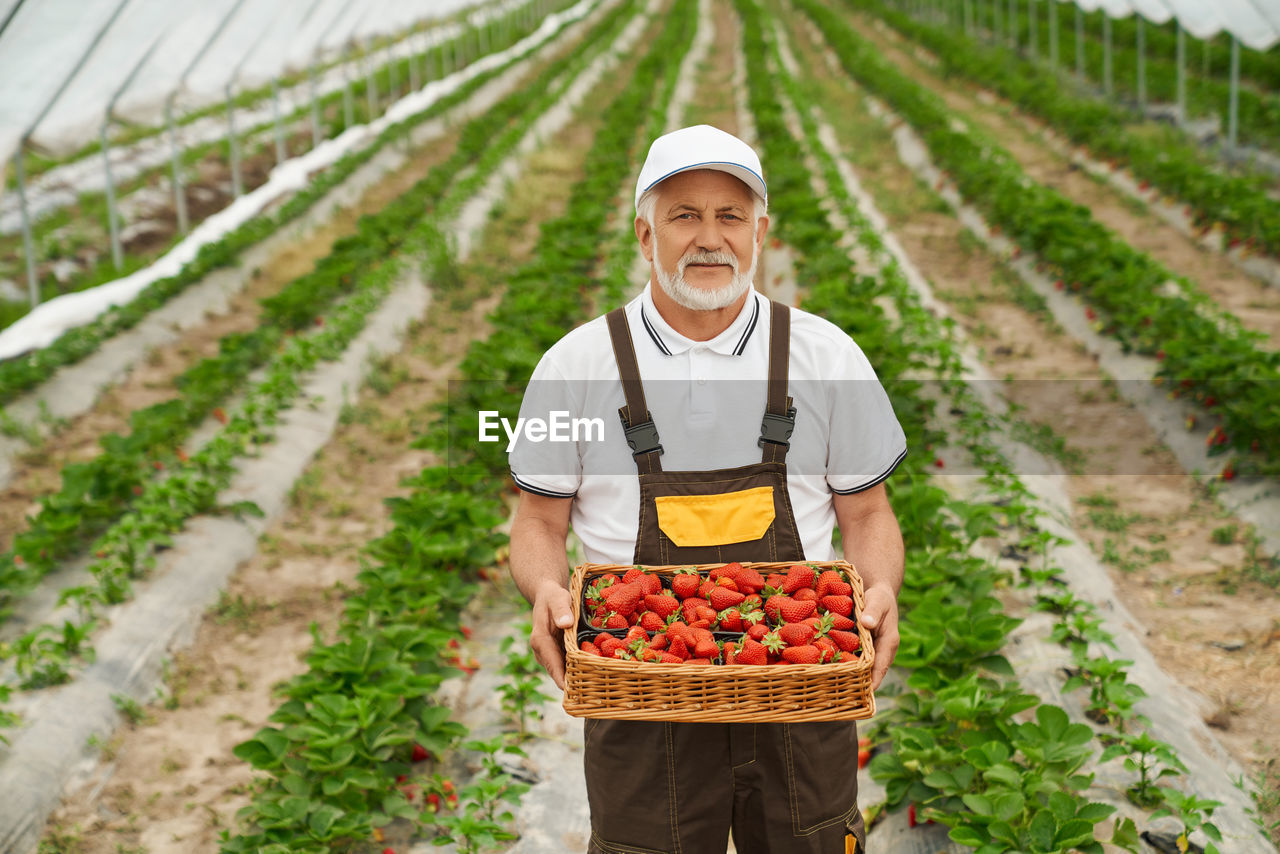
(722, 395)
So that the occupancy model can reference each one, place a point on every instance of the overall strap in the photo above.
(637, 423)
(780, 415)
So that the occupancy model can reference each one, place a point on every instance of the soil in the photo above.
(1176, 556)
(151, 380)
(171, 784)
(1256, 304)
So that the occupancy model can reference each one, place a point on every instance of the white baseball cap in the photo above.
(700, 147)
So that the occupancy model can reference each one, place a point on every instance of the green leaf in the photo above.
(322, 819)
(1041, 830)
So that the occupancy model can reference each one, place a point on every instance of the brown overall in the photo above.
(680, 788)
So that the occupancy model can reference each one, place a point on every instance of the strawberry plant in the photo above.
(522, 693)
(1151, 759)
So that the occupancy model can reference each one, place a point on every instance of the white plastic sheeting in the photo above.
(45, 323)
(156, 41)
(1255, 23)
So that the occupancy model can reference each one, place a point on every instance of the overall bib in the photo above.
(678, 788)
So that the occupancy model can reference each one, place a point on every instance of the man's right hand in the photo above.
(552, 614)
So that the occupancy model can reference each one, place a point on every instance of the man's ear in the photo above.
(644, 233)
(762, 228)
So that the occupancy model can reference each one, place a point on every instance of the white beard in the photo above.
(705, 299)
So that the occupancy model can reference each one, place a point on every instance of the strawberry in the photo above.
(842, 605)
(847, 641)
(773, 604)
(706, 648)
(637, 633)
(775, 580)
(689, 608)
(668, 658)
(796, 634)
(749, 580)
(805, 594)
(827, 650)
(722, 597)
(793, 611)
(698, 661)
(589, 648)
(659, 641)
(842, 623)
(727, 583)
(633, 575)
(685, 583)
(757, 631)
(420, 753)
(664, 605)
(679, 648)
(651, 622)
(615, 621)
(730, 650)
(610, 646)
(802, 654)
(798, 576)
(773, 642)
(730, 620)
(830, 583)
(680, 630)
(704, 589)
(707, 613)
(752, 652)
(623, 598)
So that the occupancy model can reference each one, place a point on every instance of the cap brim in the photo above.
(737, 170)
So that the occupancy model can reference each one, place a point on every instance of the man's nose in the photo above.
(709, 237)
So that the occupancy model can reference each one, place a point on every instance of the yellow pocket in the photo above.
(716, 520)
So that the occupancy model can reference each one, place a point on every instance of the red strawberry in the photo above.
(749, 580)
(773, 642)
(219, 414)
(637, 633)
(698, 661)
(793, 611)
(802, 654)
(752, 652)
(773, 604)
(730, 620)
(651, 622)
(775, 580)
(827, 649)
(730, 649)
(420, 753)
(663, 605)
(757, 631)
(704, 589)
(830, 583)
(668, 658)
(680, 630)
(847, 641)
(623, 598)
(727, 583)
(707, 613)
(609, 647)
(616, 621)
(798, 576)
(633, 575)
(796, 634)
(679, 648)
(805, 594)
(842, 605)
(659, 641)
(685, 583)
(729, 570)
(722, 597)
(706, 648)
(589, 648)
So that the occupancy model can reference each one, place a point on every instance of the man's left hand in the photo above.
(880, 616)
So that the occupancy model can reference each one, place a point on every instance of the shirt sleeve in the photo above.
(543, 455)
(866, 441)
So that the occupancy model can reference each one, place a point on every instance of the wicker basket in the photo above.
(598, 687)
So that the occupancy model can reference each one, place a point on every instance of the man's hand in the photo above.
(880, 616)
(552, 614)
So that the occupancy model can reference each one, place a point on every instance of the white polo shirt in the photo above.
(707, 399)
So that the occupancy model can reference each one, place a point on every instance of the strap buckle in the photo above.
(776, 429)
(643, 437)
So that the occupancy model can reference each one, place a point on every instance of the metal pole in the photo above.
(179, 192)
(28, 244)
(1079, 43)
(1182, 72)
(1142, 65)
(281, 153)
(1032, 36)
(1053, 34)
(315, 108)
(233, 144)
(1107, 82)
(113, 220)
(1233, 114)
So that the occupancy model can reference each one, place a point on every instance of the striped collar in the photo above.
(730, 342)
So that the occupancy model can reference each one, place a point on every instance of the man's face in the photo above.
(703, 229)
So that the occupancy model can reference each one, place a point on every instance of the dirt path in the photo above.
(1257, 305)
(171, 783)
(1181, 564)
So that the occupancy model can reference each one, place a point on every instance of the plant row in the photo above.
(958, 750)
(1165, 160)
(128, 549)
(1202, 354)
(333, 777)
(96, 492)
(25, 372)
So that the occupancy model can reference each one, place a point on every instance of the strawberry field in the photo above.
(254, 593)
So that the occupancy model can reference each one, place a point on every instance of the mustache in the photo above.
(699, 257)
